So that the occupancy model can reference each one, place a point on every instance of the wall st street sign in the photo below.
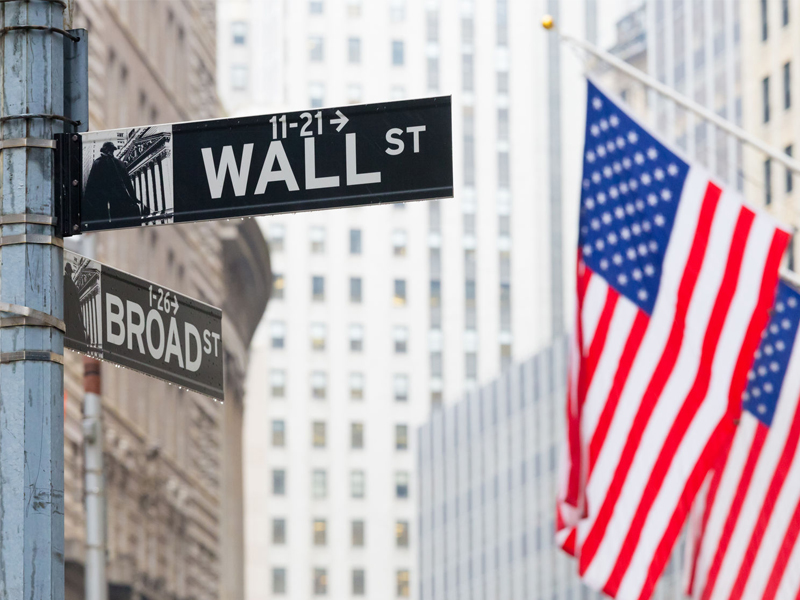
(114, 316)
(319, 158)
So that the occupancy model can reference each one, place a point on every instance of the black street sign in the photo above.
(319, 158)
(114, 316)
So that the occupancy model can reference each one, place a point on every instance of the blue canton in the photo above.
(631, 188)
(772, 357)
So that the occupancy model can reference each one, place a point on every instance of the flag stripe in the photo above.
(660, 377)
(600, 335)
(784, 553)
(692, 402)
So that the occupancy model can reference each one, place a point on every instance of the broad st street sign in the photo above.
(320, 158)
(114, 316)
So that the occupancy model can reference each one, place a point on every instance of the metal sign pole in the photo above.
(31, 343)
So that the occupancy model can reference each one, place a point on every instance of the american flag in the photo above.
(675, 278)
(745, 523)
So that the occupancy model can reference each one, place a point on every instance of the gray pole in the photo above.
(554, 152)
(31, 284)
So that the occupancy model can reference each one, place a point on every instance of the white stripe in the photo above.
(669, 402)
(655, 338)
(790, 584)
(593, 303)
(715, 401)
(728, 484)
(620, 328)
(757, 491)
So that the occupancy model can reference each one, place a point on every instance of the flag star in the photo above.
(610, 146)
(764, 334)
(791, 302)
(786, 324)
(619, 212)
(623, 187)
(637, 274)
(612, 238)
(595, 130)
(629, 208)
(617, 259)
(614, 120)
(607, 171)
(589, 203)
(672, 169)
(768, 387)
(626, 162)
(586, 184)
(634, 184)
(601, 151)
(590, 156)
(652, 199)
(620, 142)
(646, 225)
(658, 174)
(756, 393)
(652, 154)
(631, 254)
(780, 346)
(758, 354)
(633, 137)
(595, 223)
(642, 294)
(603, 124)
(780, 307)
(646, 179)
(636, 228)
(768, 350)
(603, 264)
(625, 233)
(587, 250)
(622, 279)
(584, 229)
(649, 270)
(774, 328)
(659, 220)
(597, 104)
(751, 375)
(596, 177)
(599, 244)
(638, 158)
(774, 366)
(653, 246)
(762, 370)
(642, 250)
(617, 167)
(666, 194)
(761, 408)
(745, 396)
(606, 218)
(601, 198)
(613, 192)
(639, 204)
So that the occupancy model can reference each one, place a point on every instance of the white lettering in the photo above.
(284, 173)
(173, 343)
(207, 341)
(191, 332)
(416, 130)
(312, 181)
(155, 317)
(227, 162)
(216, 340)
(135, 329)
(115, 313)
(391, 137)
(353, 176)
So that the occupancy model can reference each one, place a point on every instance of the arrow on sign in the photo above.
(342, 121)
(175, 304)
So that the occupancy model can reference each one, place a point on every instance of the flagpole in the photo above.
(665, 90)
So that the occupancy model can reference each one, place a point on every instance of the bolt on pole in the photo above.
(31, 285)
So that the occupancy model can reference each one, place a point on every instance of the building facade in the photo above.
(173, 463)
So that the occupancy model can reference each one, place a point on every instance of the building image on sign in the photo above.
(128, 174)
(83, 301)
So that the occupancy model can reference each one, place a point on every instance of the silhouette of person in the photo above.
(73, 318)
(109, 194)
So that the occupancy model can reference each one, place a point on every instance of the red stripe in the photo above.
(758, 322)
(723, 432)
(599, 338)
(635, 338)
(692, 403)
(660, 376)
(735, 509)
(775, 486)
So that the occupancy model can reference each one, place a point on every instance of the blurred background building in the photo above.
(173, 457)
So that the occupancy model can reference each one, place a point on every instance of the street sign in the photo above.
(319, 158)
(114, 316)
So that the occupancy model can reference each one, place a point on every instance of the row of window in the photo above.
(787, 91)
(319, 581)
(355, 331)
(319, 436)
(789, 182)
(319, 385)
(397, 8)
(765, 17)
(320, 532)
(358, 484)
(399, 297)
(316, 50)
(318, 238)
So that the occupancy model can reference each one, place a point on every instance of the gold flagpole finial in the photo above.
(547, 21)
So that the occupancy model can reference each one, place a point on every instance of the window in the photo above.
(318, 434)
(279, 531)
(316, 48)
(278, 285)
(318, 288)
(398, 92)
(356, 436)
(789, 179)
(320, 582)
(319, 484)
(436, 364)
(467, 77)
(432, 25)
(765, 98)
(354, 93)
(787, 85)
(358, 582)
(239, 77)
(356, 337)
(785, 12)
(357, 534)
(354, 50)
(768, 182)
(278, 482)
(276, 235)
(401, 437)
(357, 484)
(318, 331)
(319, 385)
(355, 241)
(239, 33)
(355, 290)
(317, 238)
(401, 484)
(353, 8)
(502, 82)
(503, 170)
(316, 94)
(433, 73)
(277, 331)
(764, 30)
(400, 339)
(399, 292)
(277, 382)
(278, 580)
(278, 433)
(320, 532)
(401, 534)
(402, 583)
(398, 55)
(356, 386)
(315, 7)
(397, 10)
(399, 239)
(502, 124)
(471, 365)
(400, 388)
